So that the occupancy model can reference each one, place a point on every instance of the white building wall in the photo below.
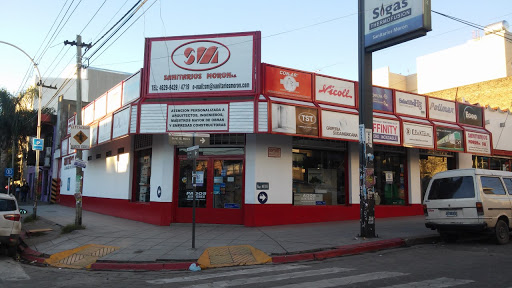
(67, 178)
(261, 168)
(413, 163)
(353, 172)
(476, 61)
(500, 125)
(162, 169)
(109, 177)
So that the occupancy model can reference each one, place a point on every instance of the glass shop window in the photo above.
(390, 178)
(143, 160)
(319, 177)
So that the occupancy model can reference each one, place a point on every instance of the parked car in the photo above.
(10, 223)
(469, 200)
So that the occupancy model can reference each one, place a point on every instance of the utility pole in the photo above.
(78, 155)
(366, 156)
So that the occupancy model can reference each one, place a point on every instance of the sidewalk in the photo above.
(146, 243)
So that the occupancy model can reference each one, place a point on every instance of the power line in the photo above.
(93, 16)
(113, 26)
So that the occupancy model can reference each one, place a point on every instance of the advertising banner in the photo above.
(470, 115)
(100, 107)
(382, 99)
(105, 130)
(121, 123)
(114, 99)
(88, 115)
(479, 143)
(385, 21)
(131, 89)
(417, 135)
(386, 131)
(340, 125)
(441, 110)
(449, 139)
(282, 82)
(410, 104)
(335, 91)
(294, 120)
(94, 134)
(202, 64)
(206, 117)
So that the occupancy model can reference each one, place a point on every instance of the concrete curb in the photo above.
(34, 256)
(140, 266)
(342, 251)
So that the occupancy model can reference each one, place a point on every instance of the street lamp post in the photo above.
(38, 122)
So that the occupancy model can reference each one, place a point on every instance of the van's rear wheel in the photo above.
(448, 237)
(502, 232)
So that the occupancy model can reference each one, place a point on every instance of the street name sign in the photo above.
(189, 139)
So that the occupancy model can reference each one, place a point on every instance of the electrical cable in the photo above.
(113, 26)
(93, 16)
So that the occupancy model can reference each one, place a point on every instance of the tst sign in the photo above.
(211, 65)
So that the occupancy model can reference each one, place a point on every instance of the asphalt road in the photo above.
(470, 263)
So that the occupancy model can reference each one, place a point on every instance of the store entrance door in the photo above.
(219, 190)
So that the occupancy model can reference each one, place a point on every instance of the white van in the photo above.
(469, 200)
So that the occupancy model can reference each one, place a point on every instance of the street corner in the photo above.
(240, 255)
(80, 257)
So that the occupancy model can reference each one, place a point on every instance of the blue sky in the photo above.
(317, 36)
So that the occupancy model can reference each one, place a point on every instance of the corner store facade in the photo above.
(283, 143)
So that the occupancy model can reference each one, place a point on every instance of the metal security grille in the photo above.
(143, 141)
(325, 144)
(396, 149)
(227, 139)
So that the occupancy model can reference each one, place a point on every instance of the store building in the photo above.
(281, 144)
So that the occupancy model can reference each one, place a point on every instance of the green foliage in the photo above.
(71, 227)
(30, 218)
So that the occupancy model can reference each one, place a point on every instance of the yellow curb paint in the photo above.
(224, 256)
(84, 260)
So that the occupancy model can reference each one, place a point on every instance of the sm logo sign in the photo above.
(200, 55)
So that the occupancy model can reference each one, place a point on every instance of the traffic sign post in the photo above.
(80, 137)
(9, 172)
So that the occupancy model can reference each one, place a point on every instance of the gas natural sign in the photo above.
(205, 64)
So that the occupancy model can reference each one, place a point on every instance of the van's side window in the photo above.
(492, 185)
(452, 188)
(508, 183)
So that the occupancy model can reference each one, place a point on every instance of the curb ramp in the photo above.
(224, 256)
(79, 258)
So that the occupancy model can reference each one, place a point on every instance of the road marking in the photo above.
(335, 282)
(439, 283)
(269, 268)
(11, 270)
(271, 278)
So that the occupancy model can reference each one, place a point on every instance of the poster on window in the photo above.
(449, 139)
(417, 135)
(294, 120)
(382, 99)
(479, 143)
(386, 131)
(340, 125)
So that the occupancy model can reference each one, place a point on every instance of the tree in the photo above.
(17, 121)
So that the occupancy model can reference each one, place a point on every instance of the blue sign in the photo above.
(262, 197)
(9, 172)
(232, 205)
(382, 99)
(37, 144)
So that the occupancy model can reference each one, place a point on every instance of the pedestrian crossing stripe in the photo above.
(287, 274)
